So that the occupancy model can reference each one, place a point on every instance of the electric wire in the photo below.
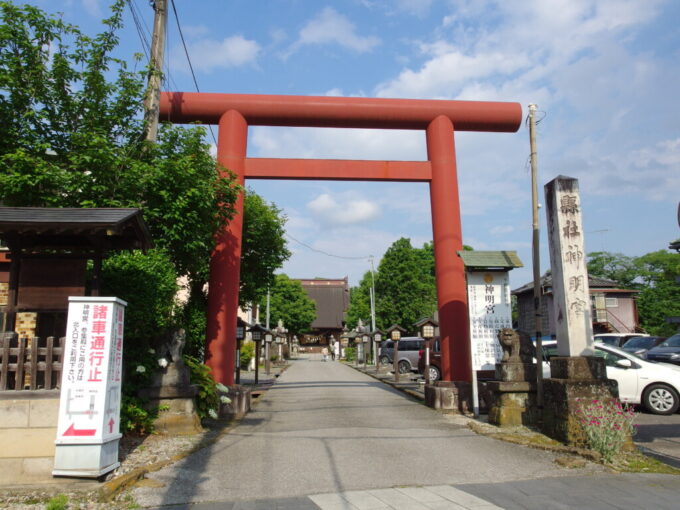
(186, 52)
(146, 46)
(325, 252)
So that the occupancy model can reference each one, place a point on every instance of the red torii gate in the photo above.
(233, 113)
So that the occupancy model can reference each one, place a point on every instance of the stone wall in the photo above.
(4, 293)
(28, 429)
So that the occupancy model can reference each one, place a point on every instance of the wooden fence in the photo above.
(30, 363)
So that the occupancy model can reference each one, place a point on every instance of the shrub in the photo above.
(147, 282)
(350, 353)
(134, 418)
(208, 398)
(607, 425)
(247, 353)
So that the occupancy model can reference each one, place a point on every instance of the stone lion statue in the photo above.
(170, 350)
(517, 347)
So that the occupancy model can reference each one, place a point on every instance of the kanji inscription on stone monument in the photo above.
(569, 274)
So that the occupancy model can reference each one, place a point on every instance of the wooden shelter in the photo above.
(44, 258)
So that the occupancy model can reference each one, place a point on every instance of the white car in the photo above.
(654, 385)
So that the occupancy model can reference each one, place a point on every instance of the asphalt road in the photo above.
(329, 431)
(659, 436)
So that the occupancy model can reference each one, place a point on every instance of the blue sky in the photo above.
(604, 74)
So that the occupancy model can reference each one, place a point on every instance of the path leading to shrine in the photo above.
(326, 429)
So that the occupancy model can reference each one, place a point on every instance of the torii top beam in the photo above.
(345, 112)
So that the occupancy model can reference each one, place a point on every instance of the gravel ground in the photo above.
(135, 452)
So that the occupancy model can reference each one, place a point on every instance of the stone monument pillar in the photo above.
(575, 374)
(170, 389)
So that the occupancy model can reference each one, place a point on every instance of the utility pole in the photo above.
(153, 93)
(375, 345)
(536, 258)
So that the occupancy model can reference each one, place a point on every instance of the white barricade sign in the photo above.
(88, 430)
(490, 310)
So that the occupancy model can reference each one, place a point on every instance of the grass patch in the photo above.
(640, 463)
(58, 502)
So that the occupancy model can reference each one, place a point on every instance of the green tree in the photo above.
(405, 286)
(264, 247)
(659, 297)
(360, 302)
(290, 303)
(613, 266)
(71, 136)
(654, 275)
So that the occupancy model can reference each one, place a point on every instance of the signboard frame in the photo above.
(88, 429)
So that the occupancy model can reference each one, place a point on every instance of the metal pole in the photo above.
(257, 362)
(395, 361)
(238, 363)
(427, 361)
(266, 322)
(372, 294)
(153, 94)
(536, 258)
(267, 363)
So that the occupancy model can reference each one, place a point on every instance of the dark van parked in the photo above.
(408, 353)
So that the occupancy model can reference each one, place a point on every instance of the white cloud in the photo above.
(208, 55)
(195, 31)
(502, 229)
(342, 210)
(93, 7)
(331, 27)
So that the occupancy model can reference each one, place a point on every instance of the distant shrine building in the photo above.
(331, 297)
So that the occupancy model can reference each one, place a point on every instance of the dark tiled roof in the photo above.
(332, 299)
(594, 282)
(490, 259)
(121, 228)
(34, 216)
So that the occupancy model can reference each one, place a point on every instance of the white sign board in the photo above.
(89, 407)
(490, 310)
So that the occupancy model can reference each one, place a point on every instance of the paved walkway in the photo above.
(326, 436)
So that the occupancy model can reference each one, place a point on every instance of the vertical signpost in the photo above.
(490, 310)
(573, 317)
(88, 430)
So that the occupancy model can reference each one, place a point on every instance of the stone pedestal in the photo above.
(170, 390)
(514, 403)
(514, 395)
(452, 396)
(574, 379)
(241, 401)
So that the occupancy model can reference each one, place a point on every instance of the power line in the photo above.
(186, 52)
(325, 252)
(146, 47)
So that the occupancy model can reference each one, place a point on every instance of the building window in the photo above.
(611, 302)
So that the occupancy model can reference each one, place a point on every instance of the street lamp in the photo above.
(241, 326)
(257, 332)
(377, 337)
(394, 333)
(427, 329)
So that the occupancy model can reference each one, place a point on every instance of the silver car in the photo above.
(409, 348)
